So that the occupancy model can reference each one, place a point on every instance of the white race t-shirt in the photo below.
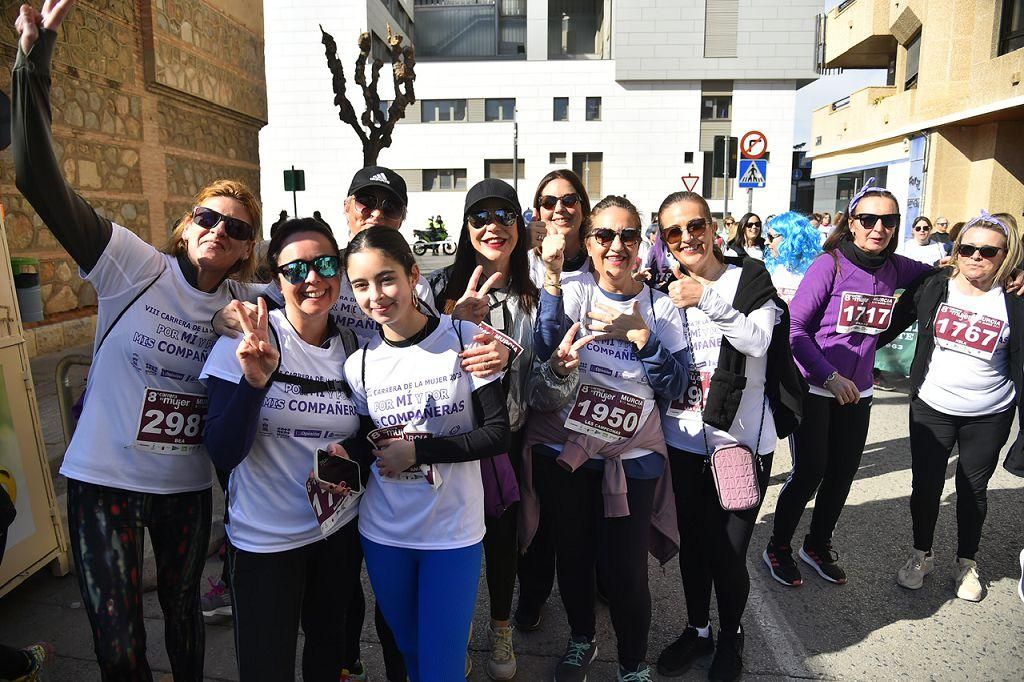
(706, 333)
(786, 282)
(424, 387)
(754, 252)
(269, 509)
(612, 364)
(966, 376)
(929, 254)
(145, 408)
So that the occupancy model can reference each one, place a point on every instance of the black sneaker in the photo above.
(678, 656)
(576, 660)
(727, 665)
(881, 383)
(526, 620)
(779, 560)
(824, 561)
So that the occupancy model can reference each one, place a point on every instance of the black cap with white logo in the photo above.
(379, 176)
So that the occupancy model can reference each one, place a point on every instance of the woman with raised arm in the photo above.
(599, 463)
(136, 462)
(561, 202)
(966, 384)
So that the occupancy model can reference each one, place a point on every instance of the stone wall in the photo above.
(152, 99)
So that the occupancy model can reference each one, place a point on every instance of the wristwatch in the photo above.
(830, 377)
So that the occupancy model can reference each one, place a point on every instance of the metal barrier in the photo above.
(65, 397)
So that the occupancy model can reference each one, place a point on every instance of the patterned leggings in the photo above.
(107, 528)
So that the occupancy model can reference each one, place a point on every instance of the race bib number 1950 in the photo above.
(865, 313)
(966, 332)
(605, 413)
(171, 423)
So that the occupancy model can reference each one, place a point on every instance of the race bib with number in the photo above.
(865, 313)
(692, 404)
(171, 423)
(605, 413)
(965, 332)
(327, 506)
(514, 347)
(417, 473)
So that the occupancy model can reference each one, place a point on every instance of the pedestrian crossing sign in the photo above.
(752, 172)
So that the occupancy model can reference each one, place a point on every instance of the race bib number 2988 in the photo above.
(171, 423)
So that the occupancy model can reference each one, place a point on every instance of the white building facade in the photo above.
(629, 93)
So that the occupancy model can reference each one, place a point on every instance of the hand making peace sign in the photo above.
(567, 356)
(30, 20)
(258, 357)
(474, 304)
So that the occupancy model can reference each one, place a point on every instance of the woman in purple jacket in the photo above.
(843, 303)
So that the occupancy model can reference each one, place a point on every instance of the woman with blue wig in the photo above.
(793, 244)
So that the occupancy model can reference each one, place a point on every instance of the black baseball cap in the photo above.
(491, 188)
(379, 176)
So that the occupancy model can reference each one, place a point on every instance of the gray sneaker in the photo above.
(919, 564)
(576, 660)
(216, 604)
(502, 663)
(968, 582)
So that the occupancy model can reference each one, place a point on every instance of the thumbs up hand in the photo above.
(552, 250)
(684, 291)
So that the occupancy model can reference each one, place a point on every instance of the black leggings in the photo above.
(500, 554)
(273, 592)
(827, 448)
(107, 527)
(712, 542)
(584, 537)
(932, 436)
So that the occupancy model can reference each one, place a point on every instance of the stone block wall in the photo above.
(152, 99)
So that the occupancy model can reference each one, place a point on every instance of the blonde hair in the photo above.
(245, 269)
(1013, 249)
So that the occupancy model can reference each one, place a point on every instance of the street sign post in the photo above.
(753, 172)
(295, 181)
(723, 163)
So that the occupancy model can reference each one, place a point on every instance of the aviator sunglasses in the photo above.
(988, 252)
(549, 201)
(389, 207)
(208, 219)
(297, 271)
(695, 228)
(499, 216)
(868, 220)
(606, 235)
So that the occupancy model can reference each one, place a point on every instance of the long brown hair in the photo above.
(245, 269)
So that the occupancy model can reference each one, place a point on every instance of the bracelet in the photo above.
(831, 377)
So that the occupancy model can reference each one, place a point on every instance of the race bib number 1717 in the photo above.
(865, 313)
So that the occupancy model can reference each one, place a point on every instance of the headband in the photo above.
(869, 186)
(986, 217)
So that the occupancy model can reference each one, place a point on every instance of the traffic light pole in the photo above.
(728, 152)
(295, 196)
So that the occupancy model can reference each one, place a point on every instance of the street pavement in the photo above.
(867, 629)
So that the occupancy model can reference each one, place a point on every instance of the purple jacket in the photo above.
(818, 348)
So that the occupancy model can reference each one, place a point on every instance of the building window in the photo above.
(913, 62)
(587, 165)
(500, 109)
(721, 28)
(444, 179)
(557, 158)
(716, 108)
(561, 109)
(434, 110)
(593, 108)
(687, 157)
(576, 28)
(461, 29)
(502, 169)
(1011, 27)
(379, 49)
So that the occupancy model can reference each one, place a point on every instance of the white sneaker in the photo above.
(968, 582)
(502, 662)
(919, 564)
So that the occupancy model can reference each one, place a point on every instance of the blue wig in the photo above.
(801, 243)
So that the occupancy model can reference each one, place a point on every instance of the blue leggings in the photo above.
(428, 598)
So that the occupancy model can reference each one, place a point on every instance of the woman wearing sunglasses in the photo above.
(561, 201)
(738, 336)
(793, 244)
(136, 463)
(842, 305)
(748, 241)
(422, 517)
(599, 463)
(276, 396)
(921, 247)
(966, 387)
(489, 283)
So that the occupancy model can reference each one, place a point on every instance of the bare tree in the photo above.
(372, 127)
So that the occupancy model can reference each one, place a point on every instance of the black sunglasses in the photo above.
(868, 220)
(549, 201)
(756, 226)
(208, 219)
(772, 236)
(922, 228)
(606, 235)
(368, 203)
(297, 271)
(499, 216)
(985, 251)
(695, 228)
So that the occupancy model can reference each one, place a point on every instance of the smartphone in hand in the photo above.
(331, 470)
